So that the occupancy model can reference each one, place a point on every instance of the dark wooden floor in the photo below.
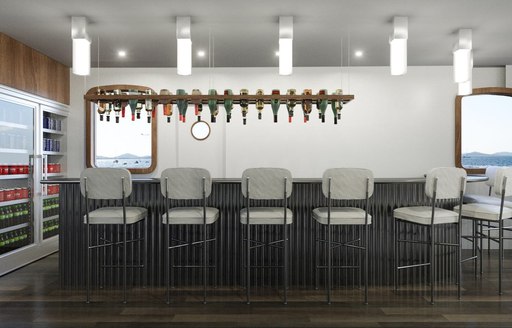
(31, 297)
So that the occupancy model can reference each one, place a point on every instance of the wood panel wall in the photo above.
(26, 69)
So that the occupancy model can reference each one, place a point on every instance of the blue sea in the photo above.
(124, 162)
(484, 161)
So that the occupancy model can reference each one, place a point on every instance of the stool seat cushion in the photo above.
(341, 216)
(484, 211)
(191, 215)
(114, 215)
(473, 198)
(266, 215)
(423, 215)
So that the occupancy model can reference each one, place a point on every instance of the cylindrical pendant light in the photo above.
(462, 56)
(398, 46)
(184, 44)
(81, 46)
(285, 45)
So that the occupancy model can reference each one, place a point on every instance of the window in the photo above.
(483, 134)
(129, 144)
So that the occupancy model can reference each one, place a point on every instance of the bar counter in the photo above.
(227, 253)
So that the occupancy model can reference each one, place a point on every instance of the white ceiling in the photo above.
(245, 33)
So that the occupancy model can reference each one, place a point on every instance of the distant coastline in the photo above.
(477, 159)
(124, 160)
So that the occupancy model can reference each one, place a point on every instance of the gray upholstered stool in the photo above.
(441, 183)
(182, 184)
(112, 184)
(266, 184)
(492, 214)
(343, 184)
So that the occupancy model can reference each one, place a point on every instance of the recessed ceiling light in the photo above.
(277, 53)
(121, 53)
(201, 53)
(359, 53)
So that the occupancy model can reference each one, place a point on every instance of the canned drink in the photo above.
(2, 195)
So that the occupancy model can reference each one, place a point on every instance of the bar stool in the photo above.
(493, 215)
(187, 184)
(441, 183)
(111, 184)
(266, 184)
(344, 184)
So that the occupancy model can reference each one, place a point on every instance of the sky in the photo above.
(486, 123)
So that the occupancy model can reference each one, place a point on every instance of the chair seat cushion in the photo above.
(114, 215)
(484, 211)
(423, 215)
(472, 198)
(266, 215)
(341, 215)
(191, 215)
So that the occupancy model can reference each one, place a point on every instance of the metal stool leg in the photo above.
(145, 270)
(432, 263)
(481, 242)
(395, 250)
(167, 263)
(459, 258)
(329, 263)
(87, 263)
(317, 255)
(248, 264)
(125, 251)
(285, 274)
(205, 249)
(366, 262)
(500, 261)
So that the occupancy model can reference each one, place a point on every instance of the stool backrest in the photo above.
(267, 183)
(446, 182)
(106, 183)
(185, 183)
(348, 183)
(503, 181)
(490, 172)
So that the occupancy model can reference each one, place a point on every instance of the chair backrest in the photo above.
(501, 174)
(449, 182)
(185, 183)
(490, 172)
(267, 183)
(106, 183)
(348, 183)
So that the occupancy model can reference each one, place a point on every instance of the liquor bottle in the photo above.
(149, 106)
(322, 104)
(117, 105)
(108, 108)
(166, 104)
(101, 104)
(306, 105)
(337, 106)
(290, 104)
(244, 105)
(228, 104)
(260, 104)
(182, 104)
(275, 103)
(133, 103)
(138, 109)
(213, 105)
(198, 106)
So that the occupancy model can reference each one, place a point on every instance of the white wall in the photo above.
(396, 126)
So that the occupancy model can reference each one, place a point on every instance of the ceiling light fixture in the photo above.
(462, 56)
(285, 45)
(121, 53)
(184, 65)
(201, 53)
(398, 46)
(358, 53)
(466, 88)
(81, 46)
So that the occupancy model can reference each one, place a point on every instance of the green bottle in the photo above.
(182, 104)
(337, 106)
(228, 104)
(275, 103)
(322, 104)
(3, 222)
(213, 105)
